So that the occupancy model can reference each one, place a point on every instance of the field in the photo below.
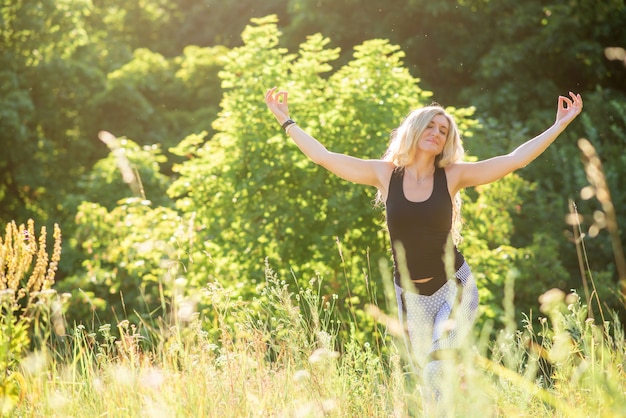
(286, 358)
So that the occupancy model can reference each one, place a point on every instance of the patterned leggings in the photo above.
(430, 325)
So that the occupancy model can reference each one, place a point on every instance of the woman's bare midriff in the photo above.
(426, 280)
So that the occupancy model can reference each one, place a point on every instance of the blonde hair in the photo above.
(403, 148)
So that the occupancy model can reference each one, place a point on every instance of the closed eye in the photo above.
(442, 130)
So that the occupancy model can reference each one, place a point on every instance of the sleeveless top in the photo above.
(422, 229)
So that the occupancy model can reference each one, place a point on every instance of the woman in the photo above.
(419, 179)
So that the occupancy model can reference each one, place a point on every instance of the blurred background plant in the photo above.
(31, 312)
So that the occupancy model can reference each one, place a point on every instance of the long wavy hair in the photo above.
(403, 150)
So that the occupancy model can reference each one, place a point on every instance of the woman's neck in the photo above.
(421, 169)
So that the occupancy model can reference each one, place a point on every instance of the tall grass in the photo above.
(282, 360)
(275, 359)
(282, 355)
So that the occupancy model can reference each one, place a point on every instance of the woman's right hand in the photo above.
(568, 109)
(277, 104)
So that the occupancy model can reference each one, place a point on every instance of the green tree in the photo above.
(45, 83)
(217, 22)
(72, 68)
(504, 57)
(133, 259)
(254, 193)
(127, 239)
(254, 196)
(159, 100)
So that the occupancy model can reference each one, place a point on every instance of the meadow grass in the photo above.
(284, 360)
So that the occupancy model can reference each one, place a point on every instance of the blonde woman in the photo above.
(418, 180)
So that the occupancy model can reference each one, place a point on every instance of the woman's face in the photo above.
(434, 137)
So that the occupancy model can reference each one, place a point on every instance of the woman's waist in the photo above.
(422, 266)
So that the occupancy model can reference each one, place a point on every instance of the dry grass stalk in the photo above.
(19, 248)
(607, 217)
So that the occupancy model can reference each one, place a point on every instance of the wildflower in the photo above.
(123, 324)
(152, 378)
(321, 355)
(551, 299)
(572, 298)
(329, 405)
(7, 294)
(186, 311)
(301, 376)
(562, 348)
(324, 338)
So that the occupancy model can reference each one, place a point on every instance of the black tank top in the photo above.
(422, 228)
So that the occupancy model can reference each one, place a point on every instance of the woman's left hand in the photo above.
(568, 108)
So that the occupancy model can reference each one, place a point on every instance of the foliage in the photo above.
(43, 74)
(108, 181)
(505, 57)
(510, 60)
(604, 217)
(241, 201)
(566, 39)
(72, 68)
(128, 171)
(186, 277)
(608, 143)
(148, 88)
(135, 253)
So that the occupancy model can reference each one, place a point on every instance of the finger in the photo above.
(568, 102)
(577, 100)
(270, 93)
(281, 97)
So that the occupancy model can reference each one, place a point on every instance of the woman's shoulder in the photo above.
(386, 167)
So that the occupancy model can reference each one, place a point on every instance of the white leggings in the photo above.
(429, 322)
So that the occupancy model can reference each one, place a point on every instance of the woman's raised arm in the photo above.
(492, 169)
(356, 170)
